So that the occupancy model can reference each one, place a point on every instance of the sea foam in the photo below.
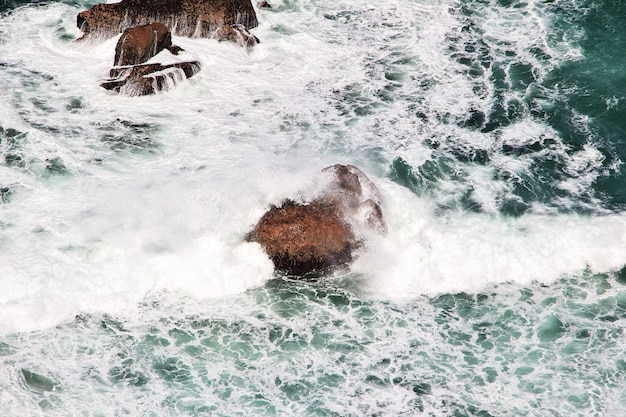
(122, 197)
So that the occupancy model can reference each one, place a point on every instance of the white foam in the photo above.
(427, 255)
(247, 131)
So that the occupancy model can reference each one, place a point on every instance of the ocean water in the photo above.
(494, 130)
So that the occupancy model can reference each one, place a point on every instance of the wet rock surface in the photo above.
(304, 238)
(141, 80)
(147, 27)
(318, 236)
(191, 18)
(140, 43)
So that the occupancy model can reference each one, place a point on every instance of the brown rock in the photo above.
(174, 50)
(319, 235)
(357, 196)
(237, 34)
(140, 43)
(192, 18)
(304, 238)
(141, 80)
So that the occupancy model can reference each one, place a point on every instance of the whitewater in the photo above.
(127, 286)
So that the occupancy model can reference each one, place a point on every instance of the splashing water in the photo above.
(491, 128)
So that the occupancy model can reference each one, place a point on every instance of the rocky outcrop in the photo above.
(136, 46)
(191, 18)
(237, 34)
(140, 43)
(319, 235)
(141, 80)
(304, 238)
(147, 27)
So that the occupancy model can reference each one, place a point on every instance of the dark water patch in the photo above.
(172, 370)
(39, 382)
(550, 329)
(595, 85)
(11, 139)
(428, 179)
(519, 85)
(6, 349)
(540, 144)
(15, 155)
(283, 29)
(297, 391)
(181, 336)
(111, 325)
(75, 104)
(10, 136)
(469, 411)
(540, 182)
(56, 166)
(521, 75)
(9, 5)
(14, 160)
(620, 276)
(128, 136)
(514, 207)
(11, 147)
(5, 194)
(63, 35)
(426, 176)
(352, 101)
(402, 173)
(126, 375)
(476, 120)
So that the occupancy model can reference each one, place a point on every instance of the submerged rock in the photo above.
(191, 18)
(318, 236)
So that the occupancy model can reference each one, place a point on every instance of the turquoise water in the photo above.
(493, 130)
(317, 349)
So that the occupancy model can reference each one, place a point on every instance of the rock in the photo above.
(140, 43)
(356, 195)
(237, 34)
(191, 18)
(305, 238)
(174, 50)
(140, 80)
(264, 5)
(147, 27)
(318, 236)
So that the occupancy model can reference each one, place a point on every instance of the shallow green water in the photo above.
(318, 349)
